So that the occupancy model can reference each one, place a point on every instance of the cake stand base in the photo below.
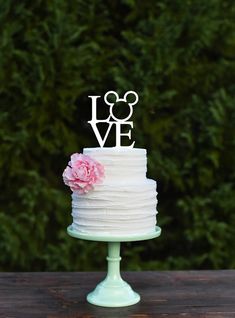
(113, 295)
(113, 291)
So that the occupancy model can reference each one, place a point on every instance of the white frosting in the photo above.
(123, 165)
(125, 203)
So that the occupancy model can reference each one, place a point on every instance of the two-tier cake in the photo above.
(111, 194)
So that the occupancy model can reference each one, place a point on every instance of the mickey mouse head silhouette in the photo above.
(124, 99)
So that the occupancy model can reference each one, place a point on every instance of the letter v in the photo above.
(97, 133)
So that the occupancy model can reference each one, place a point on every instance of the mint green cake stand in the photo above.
(113, 291)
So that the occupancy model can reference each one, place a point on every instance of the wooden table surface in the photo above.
(163, 294)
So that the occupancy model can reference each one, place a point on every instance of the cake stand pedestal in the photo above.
(113, 291)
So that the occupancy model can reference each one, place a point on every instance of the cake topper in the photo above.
(112, 119)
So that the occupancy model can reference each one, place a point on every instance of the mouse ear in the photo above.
(114, 99)
(132, 96)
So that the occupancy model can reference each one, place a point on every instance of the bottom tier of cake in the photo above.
(116, 209)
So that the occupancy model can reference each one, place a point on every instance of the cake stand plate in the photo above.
(113, 291)
(113, 238)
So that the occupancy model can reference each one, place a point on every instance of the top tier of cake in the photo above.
(122, 165)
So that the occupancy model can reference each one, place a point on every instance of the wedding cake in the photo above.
(111, 194)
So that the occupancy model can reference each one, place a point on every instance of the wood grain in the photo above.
(181, 294)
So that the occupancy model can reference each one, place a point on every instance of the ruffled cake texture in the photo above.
(125, 203)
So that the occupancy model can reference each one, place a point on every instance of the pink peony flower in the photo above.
(82, 173)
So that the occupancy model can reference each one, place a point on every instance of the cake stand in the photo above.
(113, 291)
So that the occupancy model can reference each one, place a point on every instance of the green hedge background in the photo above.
(180, 58)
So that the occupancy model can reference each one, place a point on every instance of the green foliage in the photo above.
(180, 57)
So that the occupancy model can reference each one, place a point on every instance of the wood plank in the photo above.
(187, 294)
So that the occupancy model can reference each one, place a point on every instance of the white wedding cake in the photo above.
(122, 202)
(111, 194)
